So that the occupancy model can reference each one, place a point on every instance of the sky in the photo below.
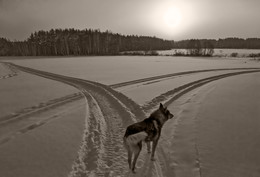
(167, 19)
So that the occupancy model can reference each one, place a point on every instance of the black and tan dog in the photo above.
(148, 130)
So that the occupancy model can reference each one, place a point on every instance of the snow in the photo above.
(25, 91)
(201, 140)
(115, 69)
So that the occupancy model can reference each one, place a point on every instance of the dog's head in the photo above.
(165, 112)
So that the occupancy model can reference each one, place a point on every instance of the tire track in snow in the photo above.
(119, 106)
(102, 152)
(12, 71)
(122, 84)
(167, 98)
(177, 92)
(91, 153)
(138, 81)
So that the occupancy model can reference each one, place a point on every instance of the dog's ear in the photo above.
(161, 106)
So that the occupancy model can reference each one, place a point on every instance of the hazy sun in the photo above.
(172, 17)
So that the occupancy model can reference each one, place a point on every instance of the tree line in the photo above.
(61, 42)
(231, 43)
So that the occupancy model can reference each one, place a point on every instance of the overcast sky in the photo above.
(168, 19)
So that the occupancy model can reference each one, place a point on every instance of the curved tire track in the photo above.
(122, 84)
(176, 93)
(102, 150)
(172, 95)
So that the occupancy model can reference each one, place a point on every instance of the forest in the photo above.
(61, 42)
(66, 42)
(230, 43)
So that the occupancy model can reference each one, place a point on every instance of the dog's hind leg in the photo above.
(148, 143)
(155, 142)
(137, 150)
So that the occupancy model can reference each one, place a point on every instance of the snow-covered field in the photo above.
(214, 133)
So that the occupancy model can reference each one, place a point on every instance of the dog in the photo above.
(148, 130)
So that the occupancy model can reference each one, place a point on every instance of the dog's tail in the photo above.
(134, 139)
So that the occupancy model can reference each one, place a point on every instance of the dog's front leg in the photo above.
(155, 142)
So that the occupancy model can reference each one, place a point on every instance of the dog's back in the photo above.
(140, 131)
(144, 126)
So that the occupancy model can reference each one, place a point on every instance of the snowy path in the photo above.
(109, 112)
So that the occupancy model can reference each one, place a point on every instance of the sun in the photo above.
(172, 17)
